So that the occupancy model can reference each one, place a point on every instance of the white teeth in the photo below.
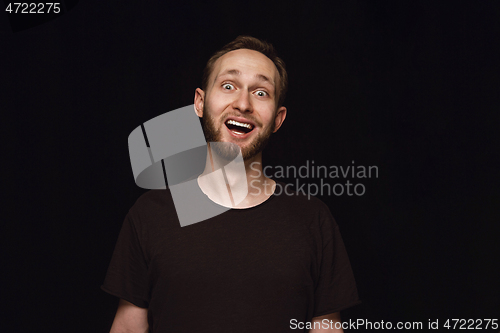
(237, 123)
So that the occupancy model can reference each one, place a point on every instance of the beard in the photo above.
(228, 150)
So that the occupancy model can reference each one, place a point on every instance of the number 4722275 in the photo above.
(463, 324)
(33, 8)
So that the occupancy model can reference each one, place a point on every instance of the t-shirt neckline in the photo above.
(271, 197)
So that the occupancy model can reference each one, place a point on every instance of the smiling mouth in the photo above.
(239, 128)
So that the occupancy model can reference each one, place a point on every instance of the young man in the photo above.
(271, 263)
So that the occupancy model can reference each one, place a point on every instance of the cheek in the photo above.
(270, 116)
(212, 108)
(217, 104)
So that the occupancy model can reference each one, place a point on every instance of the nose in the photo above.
(243, 103)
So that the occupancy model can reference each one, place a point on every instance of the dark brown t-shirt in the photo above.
(246, 270)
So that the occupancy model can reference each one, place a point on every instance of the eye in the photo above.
(261, 93)
(227, 86)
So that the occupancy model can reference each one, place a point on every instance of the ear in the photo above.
(199, 101)
(279, 118)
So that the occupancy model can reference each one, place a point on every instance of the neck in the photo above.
(243, 180)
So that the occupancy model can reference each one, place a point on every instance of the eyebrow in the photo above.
(236, 72)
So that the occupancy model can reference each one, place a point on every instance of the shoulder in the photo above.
(153, 198)
(303, 205)
(153, 205)
(297, 197)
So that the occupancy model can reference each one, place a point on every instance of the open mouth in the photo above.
(239, 128)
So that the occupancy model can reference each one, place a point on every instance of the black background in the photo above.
(411, 87)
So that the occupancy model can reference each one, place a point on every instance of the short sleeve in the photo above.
(336, 288)
(127, 273)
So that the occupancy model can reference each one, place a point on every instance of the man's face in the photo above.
(240, 103)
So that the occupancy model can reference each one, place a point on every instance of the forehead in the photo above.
(248, 62)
